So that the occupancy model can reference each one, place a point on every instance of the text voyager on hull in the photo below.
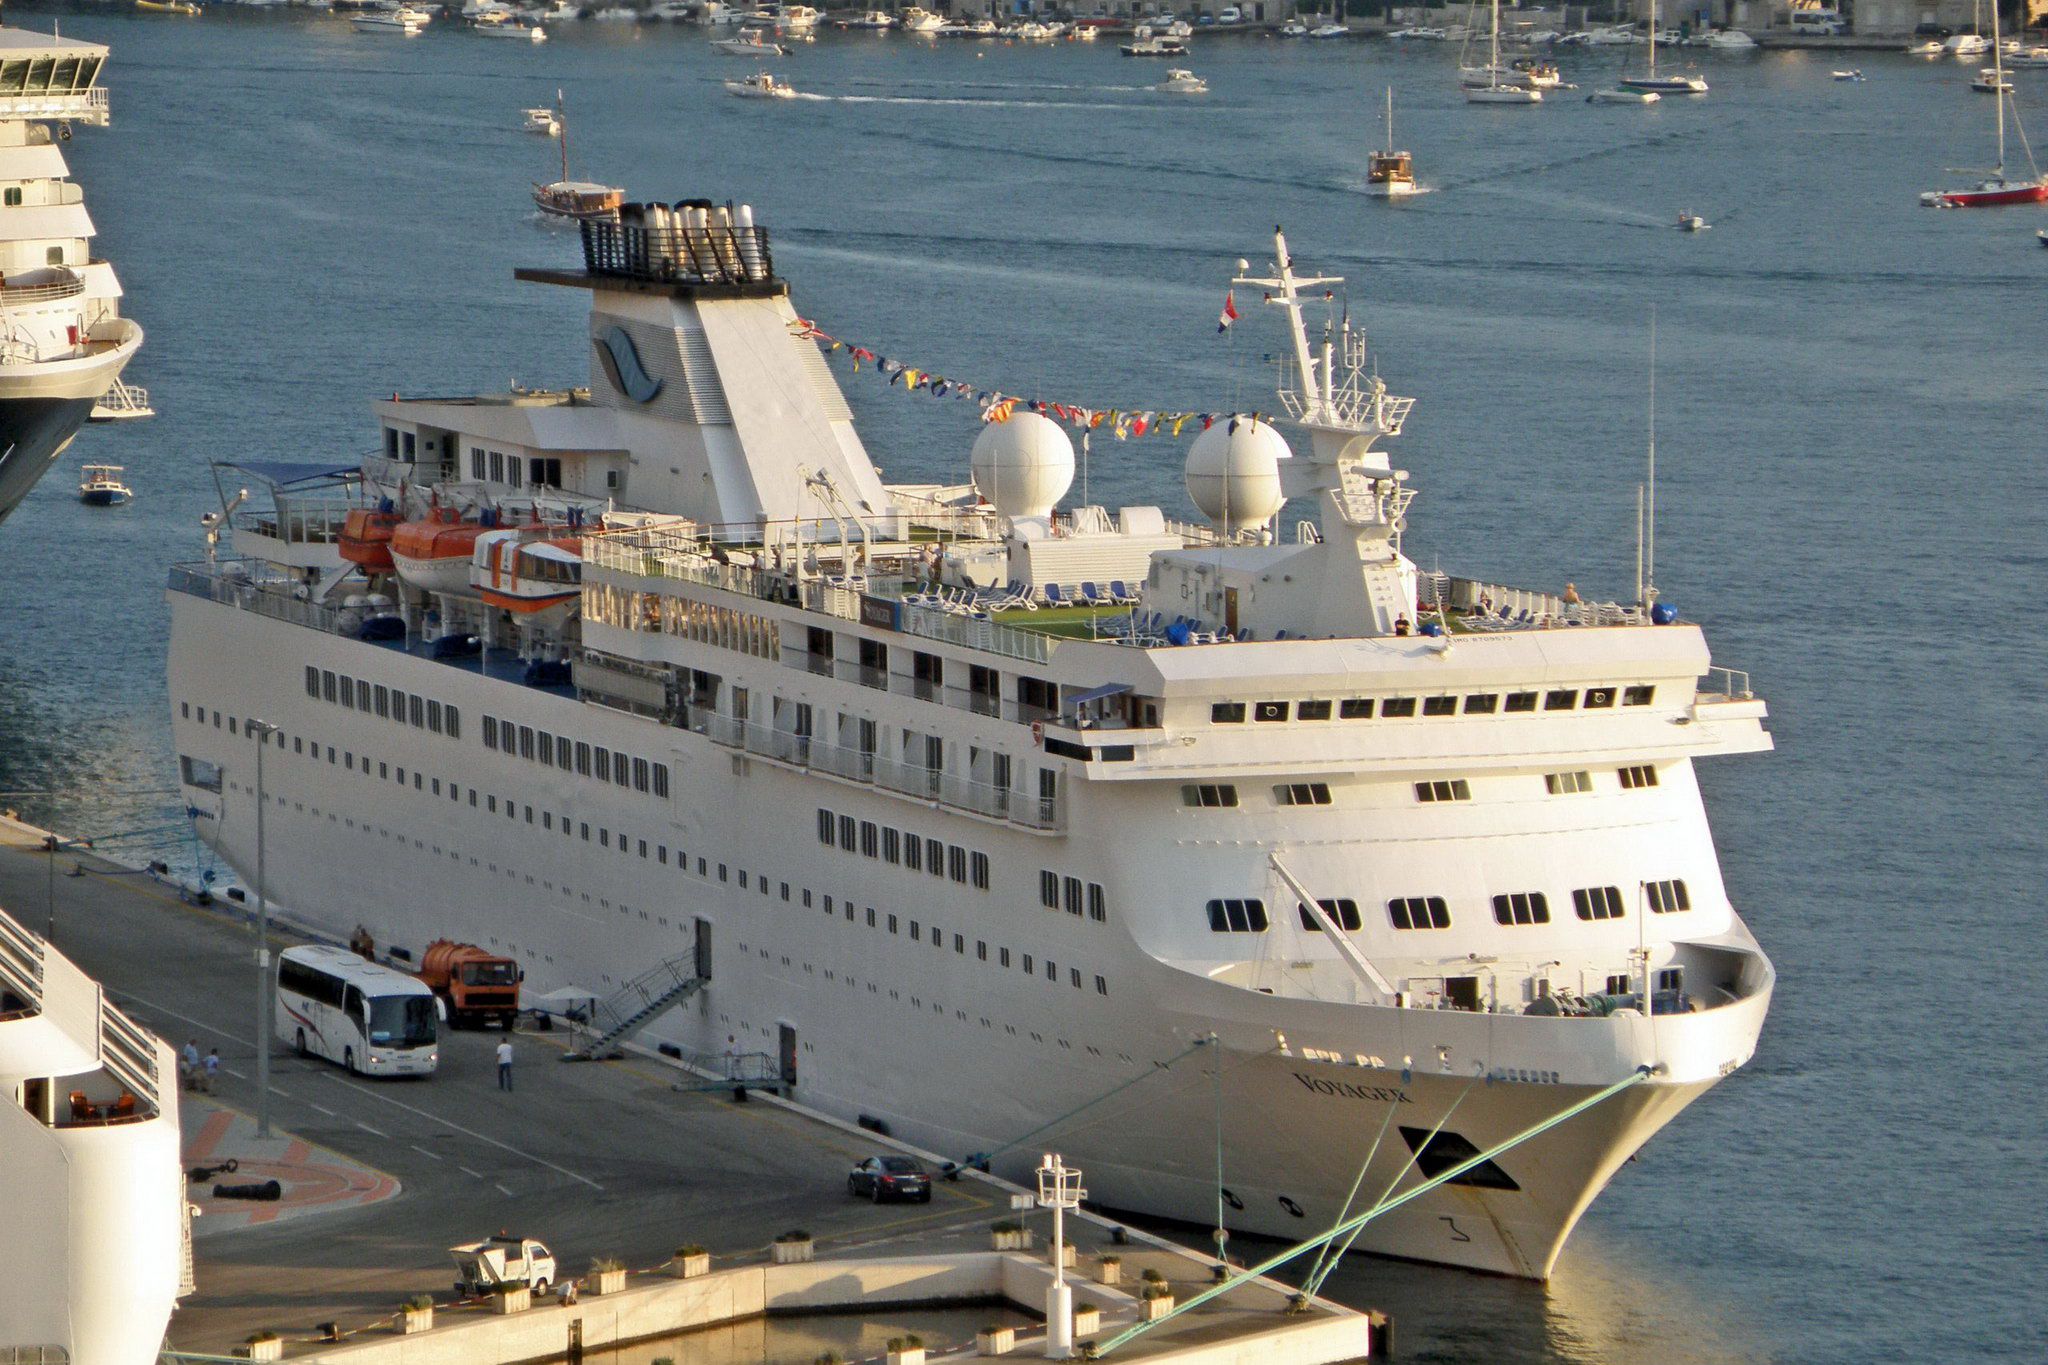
(661, 673)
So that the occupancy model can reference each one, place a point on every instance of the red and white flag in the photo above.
(1229, 311)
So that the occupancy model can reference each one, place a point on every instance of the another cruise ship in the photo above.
(659, 676)
(63, 342)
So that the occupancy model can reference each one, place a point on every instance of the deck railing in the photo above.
(274, 598)
(21, 962)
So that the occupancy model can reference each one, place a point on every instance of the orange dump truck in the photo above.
(477, 986)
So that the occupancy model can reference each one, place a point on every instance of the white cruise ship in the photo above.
(63, 342)
(659, 676)
(89, 1174)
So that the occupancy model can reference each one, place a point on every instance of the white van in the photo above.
(1827, 22)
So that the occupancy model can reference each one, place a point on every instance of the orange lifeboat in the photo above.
(519, 573)
(433, 553)
(366, 538)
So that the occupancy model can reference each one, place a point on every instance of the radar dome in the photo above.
(1233, 473)
(1023, 466)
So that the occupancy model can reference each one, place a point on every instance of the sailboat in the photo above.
(1495, 86)
(1654, 84)
(1390, 174)
(577, 200)
(1995, 188)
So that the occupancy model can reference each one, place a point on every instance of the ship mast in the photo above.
(562, 117)
(1283, 290)
(1998, 87)
(1653, 39)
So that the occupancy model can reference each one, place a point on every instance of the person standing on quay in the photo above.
(505, 1064)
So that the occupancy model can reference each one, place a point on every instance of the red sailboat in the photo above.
(1997, 187)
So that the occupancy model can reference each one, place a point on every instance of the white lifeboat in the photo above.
(519, 571)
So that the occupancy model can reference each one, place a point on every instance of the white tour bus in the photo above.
(332, 1003)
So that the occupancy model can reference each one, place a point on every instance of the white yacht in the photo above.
(1400, 853)
(1181, 81)
(917, 20)
(89, 1171)
(762, 85)
(65, 342)
(404, 20)
(1495, 83)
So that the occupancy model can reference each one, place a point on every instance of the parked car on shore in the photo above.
(883, 1178)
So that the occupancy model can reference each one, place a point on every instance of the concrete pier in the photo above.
(603, 1160)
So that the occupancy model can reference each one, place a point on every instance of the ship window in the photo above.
(1439, 706)
(1568, 784)
(1671, 979)
(1345, 912)
(1227, 713)
(313, 682)
(956, 863)
(1482, 703)
(348, 691)
(1398, 706)
(1667, 897)
(977, 867)
(1641, 775)
(892, 846)
(1521, 701)
(1355, 708)
(1101, 986)
(1072, 887)
(1003, 957)
(1523, 907)
(847, 828)
(1208, 795)
(935, 857)
(476, 462)
(824, 826)
(383, 705)
(602, 758)
(892, 922)
(565, 757)
(1619, 984)
(981, 949)
(1098, 908)
(1049, 889)
(582, 755)
(526, 741)
(434, 713)
(1419, 912)
(743, 871)
(722, 873)
(1312, 710)
(491, 804)
(1598, 902)
(544, 741)
(54, 256)
(913, 851)
(1436, 1153)
(1455, 789)
(620, 774)
(1302, 794)
(869, 838)
(417, 709)
(197, 772)
(1639, 695)
(643, 775)
(1270, 711)
(1234, 916)
(1074, 977)
(1599, 697)
(497, 466)
(1560, 699)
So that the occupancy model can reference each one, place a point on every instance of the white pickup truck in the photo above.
(503, 1259)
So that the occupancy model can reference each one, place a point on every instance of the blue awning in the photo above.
(284, 474)
(1097, 694)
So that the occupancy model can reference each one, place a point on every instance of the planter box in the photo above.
(913, 1356)
(415, 1320)
(690, 1267)
(793, 1253)
(999, 1342)
(1066, 1256)
(1152, 1310)
(512, 1301)
(1087, 1320)
(264, 1350)
(1111, 1272)
(607, 1281)
(1011, 1241)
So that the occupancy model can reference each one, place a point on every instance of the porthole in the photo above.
(1292, 1208)
(1232, 1200)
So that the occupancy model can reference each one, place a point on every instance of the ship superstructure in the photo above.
(63, 342)
(660, 675)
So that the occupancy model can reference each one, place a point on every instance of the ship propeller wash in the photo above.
(658, 675)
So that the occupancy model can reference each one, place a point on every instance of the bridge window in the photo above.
(1355, 708)
(1270, 711)
(1227, 713)
(1439, 706)
(1598, 902)
(1642, 694)
(1312, 710)
(1398, 706)
(1638, 776)
(1208, 795)
(1302, 794)
(1668, 897)
(1561, 699)
(1455, 789)
(1523, 907)
(1520, 701)
(1233, 916)
(1344, 912)
(1419, 912)
(1568, 784)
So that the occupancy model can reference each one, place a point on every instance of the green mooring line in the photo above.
(1384, 1206)
(1122, 1086)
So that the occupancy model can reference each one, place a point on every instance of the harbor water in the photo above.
(1850, 440)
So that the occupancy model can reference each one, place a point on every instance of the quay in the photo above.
(619, 1164)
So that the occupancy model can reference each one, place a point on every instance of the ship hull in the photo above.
(888, 996)
(42, 406)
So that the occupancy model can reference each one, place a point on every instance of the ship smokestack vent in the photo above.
(696, 242)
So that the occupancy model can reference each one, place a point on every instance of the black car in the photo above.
(890, 1177)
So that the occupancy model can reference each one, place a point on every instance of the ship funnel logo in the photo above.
(621, 361)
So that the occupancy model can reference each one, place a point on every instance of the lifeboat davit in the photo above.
(522, 572)
(366, 538)
(434, 553)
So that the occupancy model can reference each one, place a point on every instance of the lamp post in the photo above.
(1059, 1189)
(266, 997)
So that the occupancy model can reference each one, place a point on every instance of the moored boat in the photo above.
(762, 85)
(582, 201)
(100, 486)
(1996, 189)
(1390, 173)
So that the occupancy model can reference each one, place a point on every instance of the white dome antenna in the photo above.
(1233, 473)
(1023, 466)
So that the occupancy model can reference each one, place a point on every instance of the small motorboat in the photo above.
(404, 21)
(2041, 236)
(101, 486)
(122, 403)
(518, 33)
(1149, 45)
(1991, 81)
(1854, 74)
(1930, 48)
(1615, 94)
(1692, 222)
(762, 85)
(543, 122)
(918, 20)
(750, 44)
(874, 21)
(166, 6)
(1328, 31)
(1294, 28)
(1180, 81)
(1731, 40)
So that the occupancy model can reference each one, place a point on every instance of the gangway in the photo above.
(634, 1006)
